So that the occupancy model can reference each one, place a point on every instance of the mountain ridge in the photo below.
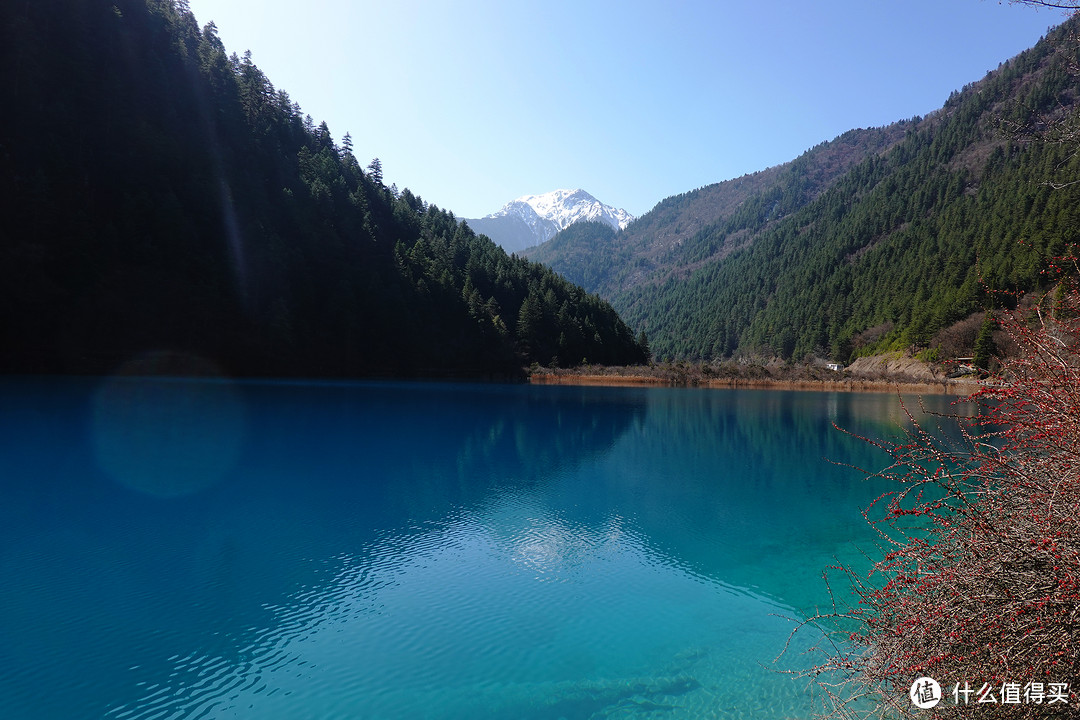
(661, 243)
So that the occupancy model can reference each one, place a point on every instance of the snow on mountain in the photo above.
(533, 219)
(566, 207)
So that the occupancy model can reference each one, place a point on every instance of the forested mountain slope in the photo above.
(675, 236)
(914, 236)
(161, 195)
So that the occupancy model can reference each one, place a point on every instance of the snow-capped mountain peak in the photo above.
(544, 215)
(566, 207)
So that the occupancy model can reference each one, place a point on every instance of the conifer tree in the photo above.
(374, 169)
(984, 343)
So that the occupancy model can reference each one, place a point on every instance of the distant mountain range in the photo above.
(534, 219)
(227, 226)
(889, 238)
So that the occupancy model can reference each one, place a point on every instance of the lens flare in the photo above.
(167, 437)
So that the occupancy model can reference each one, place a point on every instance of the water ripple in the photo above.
(636, 581)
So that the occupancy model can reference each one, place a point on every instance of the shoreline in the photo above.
(959, 388)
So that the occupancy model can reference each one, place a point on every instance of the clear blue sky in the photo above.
(472, 103)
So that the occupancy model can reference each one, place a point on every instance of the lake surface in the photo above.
(206, 549)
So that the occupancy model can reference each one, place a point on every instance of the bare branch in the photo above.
(1061, 5)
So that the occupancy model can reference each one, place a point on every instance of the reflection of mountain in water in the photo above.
(325, 471)
(569, 529)
(738, 485)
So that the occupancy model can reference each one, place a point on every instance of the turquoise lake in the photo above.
(207, 549)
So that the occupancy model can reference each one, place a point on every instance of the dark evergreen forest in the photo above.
(929, 221)
(161, 195)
